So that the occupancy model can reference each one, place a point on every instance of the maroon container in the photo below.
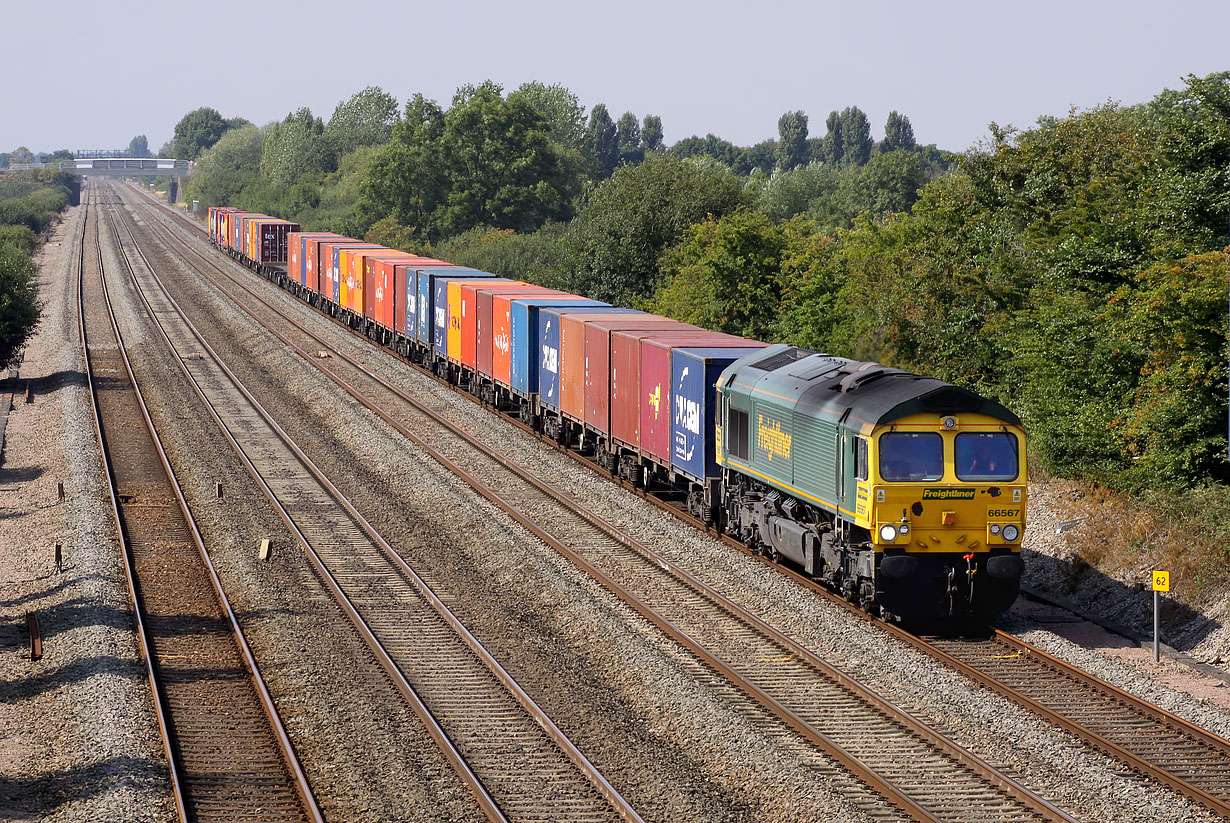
(626, 394)
(597, 398)
(655, 430)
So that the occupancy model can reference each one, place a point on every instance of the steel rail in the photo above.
(790, 718)
(286, 748)
(621, 806)
(161, 713)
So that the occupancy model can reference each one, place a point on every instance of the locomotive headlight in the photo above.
(888, 533)
(904, 528)
(1011, 533)
(994, 528)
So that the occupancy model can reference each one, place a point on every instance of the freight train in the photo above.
(904, 493)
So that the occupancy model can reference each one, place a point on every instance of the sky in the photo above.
(100, 75)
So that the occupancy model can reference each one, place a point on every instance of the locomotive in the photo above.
(905, 493)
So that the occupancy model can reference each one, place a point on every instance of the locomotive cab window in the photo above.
(911, 456)
(860, 458)
(738, 425)
(986, 456)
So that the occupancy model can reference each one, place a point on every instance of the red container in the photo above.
(501, 332)
(597, 409)
(655, 432)
(378, 286)
(312, 260)
(297, 243)
(626, 394)
(572, 356)
(489, 346)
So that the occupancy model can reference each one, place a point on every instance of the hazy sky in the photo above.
(93, 76)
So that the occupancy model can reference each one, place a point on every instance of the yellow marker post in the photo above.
(1161, 583)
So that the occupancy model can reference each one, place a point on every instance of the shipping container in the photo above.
(331, 274)
(405, 291)
(488, 344)
(496, 324)
(243, 243)
(446, 317)
(269, 240)
(463, 316)
(349, 282)
(572, 356)
(425, 286)
(551, 360)
(694, 374)
(597, 392)
(626, 394)
(525, 354)
(378, 285)
(655, 389)
(312, 265)
(297, 243)
(217, 229)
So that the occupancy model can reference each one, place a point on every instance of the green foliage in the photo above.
(139, 146)
(21, 155)
(19, 236)
(898, 134)
(610, 251)
(628, 136)
(388, 232)
(366, 119)
(600, 144)
(196, 131)
(533, 257)
(792, 149)
(59, 156)
(225, 169)
(295, 148)
(487, 161)
(651, 133)
(19, 307)
(561, 110)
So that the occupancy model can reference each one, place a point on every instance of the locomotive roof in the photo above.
(856, 391)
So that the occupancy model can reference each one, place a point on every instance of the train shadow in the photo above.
(1126, 609)
(41, 386)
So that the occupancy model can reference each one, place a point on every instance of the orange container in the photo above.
(463, 314)
(572, 358)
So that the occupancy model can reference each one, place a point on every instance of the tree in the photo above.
(600, 145)
(651, 133)
(295, 148)
(225, 169)
(4, 159)
(487, 161)
(761, 156)
(833, 145)
(59, 156)
(19, 308)
(898, 133)
(710, 145)
(366, 119)
(856, 140)
(628, 136)
(139, 146)
(792, 140)
(611, 250)
(21, 154)
(196, 131)
(560, 109)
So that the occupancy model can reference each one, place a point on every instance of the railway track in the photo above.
(229, 756)
(908, 764)
(516, 762)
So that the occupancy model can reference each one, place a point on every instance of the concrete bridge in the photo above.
(115, 167)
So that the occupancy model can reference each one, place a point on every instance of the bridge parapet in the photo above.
(115, 167)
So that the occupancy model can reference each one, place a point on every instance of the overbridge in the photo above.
(116, 167)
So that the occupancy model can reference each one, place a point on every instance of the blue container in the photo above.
(525, 353)
(548, 347)
(694, 375)
(421, 307)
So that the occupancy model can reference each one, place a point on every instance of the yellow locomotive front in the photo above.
(945, 500)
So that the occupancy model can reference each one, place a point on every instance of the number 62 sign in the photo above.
(1161, 581)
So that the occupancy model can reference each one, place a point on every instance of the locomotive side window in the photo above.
(860, 458)
(985, 456)
(738, 433)
(911, 456)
